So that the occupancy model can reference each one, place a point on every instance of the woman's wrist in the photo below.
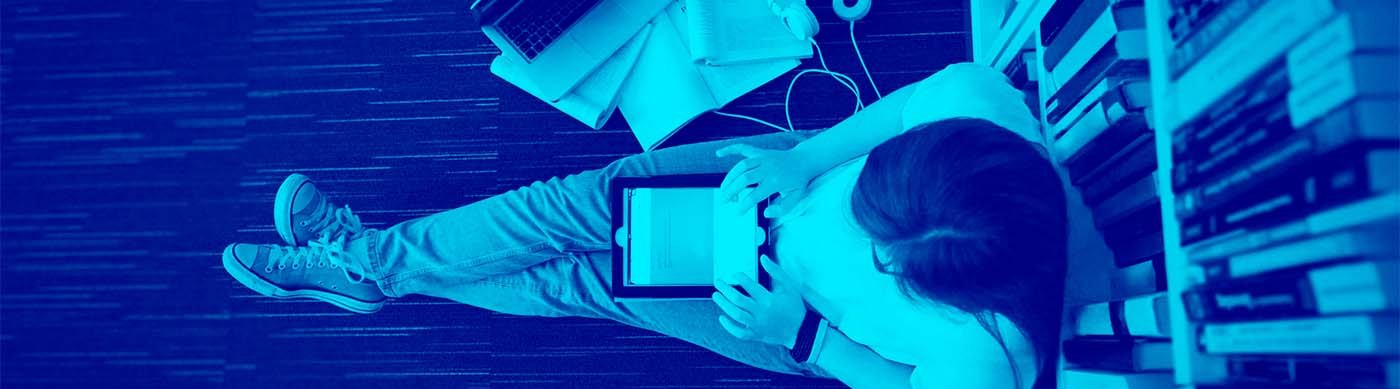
(803, 347)
(809, 163)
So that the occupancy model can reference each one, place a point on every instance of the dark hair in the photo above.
(971, 215)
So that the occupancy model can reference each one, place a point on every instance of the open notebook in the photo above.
(667, 89)
(727, 32)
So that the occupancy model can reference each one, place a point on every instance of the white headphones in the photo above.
(803, 23)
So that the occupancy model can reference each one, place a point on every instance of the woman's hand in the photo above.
(783, 172)
(768, 316)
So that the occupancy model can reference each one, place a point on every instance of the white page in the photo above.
(671, 236)
(727, 32)
(664, 91)
(736, 238)
(594, 100)
(729, 82)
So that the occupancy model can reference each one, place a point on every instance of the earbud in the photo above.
(851, 12)
(801, 22)
(799, 19)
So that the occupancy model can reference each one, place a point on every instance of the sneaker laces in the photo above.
(339, 221)
(331, 250)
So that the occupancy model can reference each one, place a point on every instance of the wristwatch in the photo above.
(809, 338)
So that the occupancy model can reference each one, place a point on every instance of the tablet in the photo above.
(672, 235)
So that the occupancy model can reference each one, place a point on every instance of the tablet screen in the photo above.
(684, 236)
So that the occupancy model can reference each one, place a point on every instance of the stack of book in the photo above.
(1096, 70)
(1286, 194)
(1096, 89)
(1022, 73)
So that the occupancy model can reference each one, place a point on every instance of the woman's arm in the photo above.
(787, 172)
(857, 366)
(858, 134)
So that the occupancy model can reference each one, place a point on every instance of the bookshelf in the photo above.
(1337, 59)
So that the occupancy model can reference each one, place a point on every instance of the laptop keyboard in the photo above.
(533, 25)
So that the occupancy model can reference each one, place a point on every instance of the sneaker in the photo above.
(302, 213)
(317, 271)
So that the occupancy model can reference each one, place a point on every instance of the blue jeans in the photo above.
(542, 250)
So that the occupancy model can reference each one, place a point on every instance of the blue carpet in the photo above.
(141, 137)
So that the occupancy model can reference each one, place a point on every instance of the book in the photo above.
(1074, 20)
(1076, 378)
(1196, 30)
(1102, 106)
(1254, 118)
(1105, 65)
(1197, 138)
(1351, 335)
(1021, 70)
(1366, 211)
(1345, 34)
(1118, 354)
(1143, 278)
(1248, 138)
(1361, 123)
(1363, 75)
(1136, 159)
(1096, 151)
(1140, 248)
(728, 32)
(1257, 40)
(1264, 35)
(1125, 36)
(1369, 241)
(1139, 222)
(1351, 287)
(665, 69)
(1350, 174)
(1314, 372)
(595, 99)
(1140, 194)
(1139, 316)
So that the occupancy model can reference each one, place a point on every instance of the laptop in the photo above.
(561, 42)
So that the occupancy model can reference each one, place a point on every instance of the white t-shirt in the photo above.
(819, 243)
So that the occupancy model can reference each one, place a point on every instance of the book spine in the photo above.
(1364, 241)
(1355, 123)
(1337, 218)
(1252, 95)
(1088, 126)
(1105, 33)
(1347, 78)
(1140, 194)
(1099, 149)
(1143, 278)
(1198, 38)
(1142, 221)
(1105, 65)
(1072, 19)
(1326, 335)
(1127, 253)
(1353, 173)
(1126, 355)
(1314, 372)
(1136, 317)
(1138, 158)
(1114, 380)
(1355, 287)
(1350, 32)
(701, 18)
